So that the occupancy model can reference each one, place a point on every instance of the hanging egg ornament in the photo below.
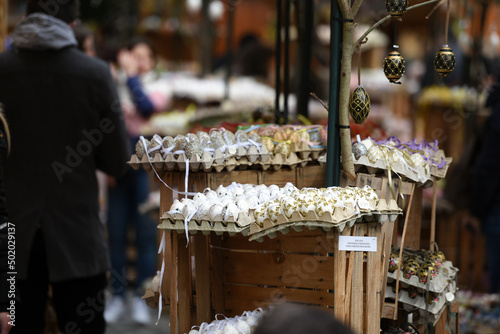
(359, 105)
(396, 8)
(394, 66)
(444, 62)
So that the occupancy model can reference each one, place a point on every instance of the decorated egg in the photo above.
(273, 210)
(140, 150)
(417, 160)
(189, 208)
(231, 211)
(180, 143)
(215, 210)
(433, 297)
(229, 137)
(243, 327)
(394, 287)
(295, 138)
(192, 137)
(253, 201)
(359, 105)
(441, 256)
(264, 197)
(279, 136)
(202, 135)
(394, 66)
(368, 143)
(410, 269)
(288, 188)
(268, 143)
(304, 135)
(199, 198)
(393, 262)
(176, 207)
(222, 191)
(241, 136)
(306, 204)
(423, 275)
(412, 292)
(374, 154)
(193, 149)
(315, 135)
(260, 215)
(359, 150)
(288, 205)
(253, 136)
(444, 62)
(168, 143)
(283, 148)
(396, 8)
(230, 329)
(210, 194)
(204, 210)
(242, 205)
(216, 141)
(325, 205)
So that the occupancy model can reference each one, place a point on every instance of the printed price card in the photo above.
(362, 244)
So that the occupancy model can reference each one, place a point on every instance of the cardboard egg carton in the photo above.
(437, 284)
(304, 151)
(421, 301)
(175, 222)
(341, 218)
(441, 172)
(219, 161)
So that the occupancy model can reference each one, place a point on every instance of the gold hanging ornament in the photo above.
(359, 103)
(396, 8)
(444, 62)
(394, 66)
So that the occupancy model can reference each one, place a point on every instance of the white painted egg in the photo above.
(417, 160)
(177, 206)
(215, 211)
(273, 187)
(189, 209)
(253, 201)
(242, 205)
(230, 329)
(210, 194)
(368, 142)
(289, 188)
(231, 211)
(193, 331)
(243, 327)
(204, 210)
(264, 197)
(262, 187)
(225, 200)
(222, 191)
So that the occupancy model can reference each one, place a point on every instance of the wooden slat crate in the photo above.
(231, 274)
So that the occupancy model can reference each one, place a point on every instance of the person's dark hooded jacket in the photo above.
(65, 122)
(486, 180)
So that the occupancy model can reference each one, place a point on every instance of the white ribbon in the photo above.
(159, 178)
(161, 249)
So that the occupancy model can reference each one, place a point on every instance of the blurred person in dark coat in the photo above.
(65, 120)
(485, 195)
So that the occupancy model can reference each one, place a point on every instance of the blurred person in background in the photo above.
(65, 121)
(485, 194)
(5, 285)
(142, 93)
(299, 319)
(85, 39)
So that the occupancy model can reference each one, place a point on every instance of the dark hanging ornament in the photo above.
(396, 8)
(394, 66)
(359, 105)
(444, 62)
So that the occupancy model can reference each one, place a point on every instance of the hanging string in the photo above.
(395, 33)
(447, 22)
(359, 65)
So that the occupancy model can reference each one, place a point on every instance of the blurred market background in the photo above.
(198, 41)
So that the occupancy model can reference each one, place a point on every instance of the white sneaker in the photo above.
(140, 311)
(114, 310)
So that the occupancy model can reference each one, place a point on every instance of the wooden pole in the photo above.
(4, 7)
(277, 105)
(433, 216)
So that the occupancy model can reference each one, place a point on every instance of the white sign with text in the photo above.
(362, 244)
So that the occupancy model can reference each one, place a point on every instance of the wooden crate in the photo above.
(231, 274)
